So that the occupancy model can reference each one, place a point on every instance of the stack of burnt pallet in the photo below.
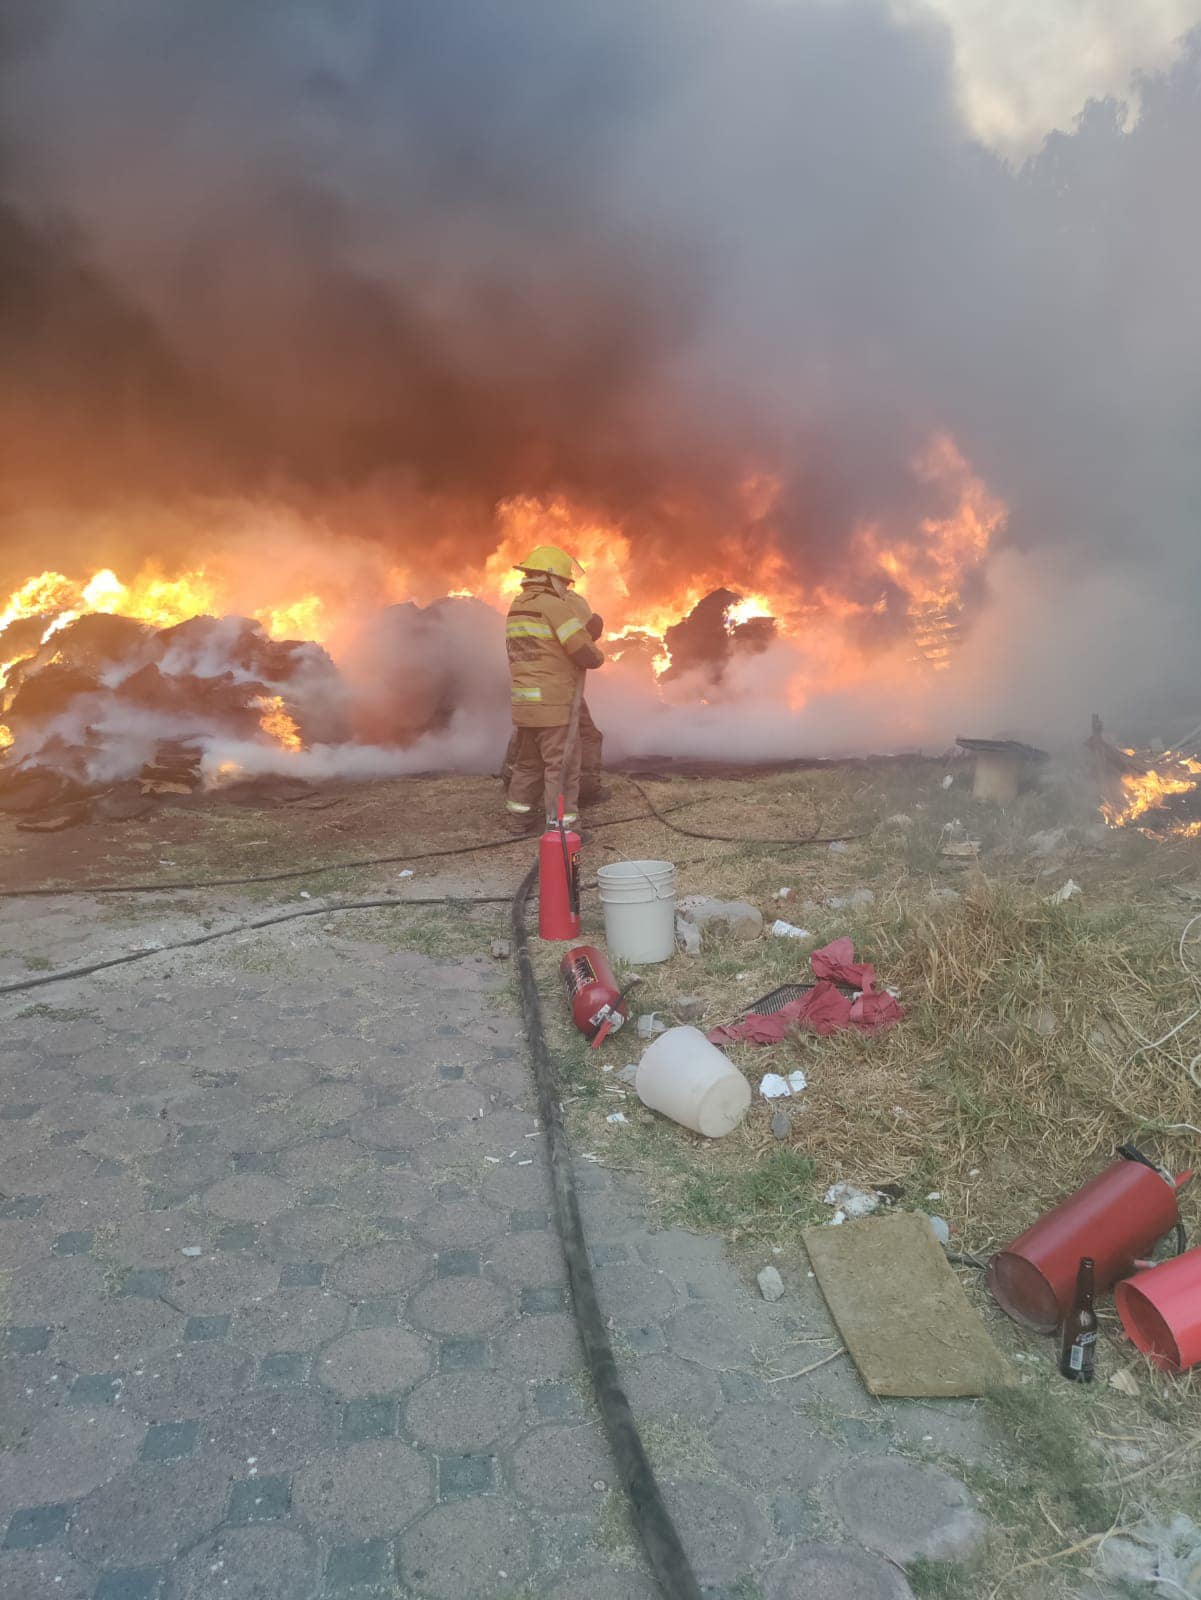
(174, 770)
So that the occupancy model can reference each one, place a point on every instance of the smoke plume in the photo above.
(368, 272)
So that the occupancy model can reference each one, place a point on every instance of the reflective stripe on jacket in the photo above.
(548, 645)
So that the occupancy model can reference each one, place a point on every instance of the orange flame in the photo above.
(1143, 792)
(277, 723)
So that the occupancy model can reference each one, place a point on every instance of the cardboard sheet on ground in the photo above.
(901, 1310)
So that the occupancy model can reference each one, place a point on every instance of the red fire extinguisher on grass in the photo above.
(559, 882)
(597, 1001)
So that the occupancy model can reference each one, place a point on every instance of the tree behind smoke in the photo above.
(452, 253)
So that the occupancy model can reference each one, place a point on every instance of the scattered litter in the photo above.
(736, 917)
(789, 930)
(305, 895)
(1164, 1556)
(935, 1194)
(942, 1229)
(826, 1007)
(191, 1250)
(1124, 1382)
(771, 1284)
(782, 894)
(608, 1067)
(407, 873)
(773, 1086)
(900, 820)
(1062, 895)
(500, 949)
(948, 781)
(837, 1220)
(851, 1200)
(628, 1073)
(586, 1155)
(961, 850)
(781, 1125)
(690, 1008)
(839, 848)
(649, 1025)
(615, 1116)
(529, 1162)
(494, 1160)
(851, 902)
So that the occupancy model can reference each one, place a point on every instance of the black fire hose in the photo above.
(658, 1533)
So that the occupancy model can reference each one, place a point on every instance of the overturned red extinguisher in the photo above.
(597, 1001)
(559, 881)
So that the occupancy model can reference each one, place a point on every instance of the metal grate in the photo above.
(769, 1004)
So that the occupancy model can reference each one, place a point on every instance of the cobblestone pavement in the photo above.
(285, 1314)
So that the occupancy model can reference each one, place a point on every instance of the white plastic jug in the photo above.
(639, 902)
(689, 1080)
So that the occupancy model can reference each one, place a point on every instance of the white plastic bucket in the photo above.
(689, 1080)
(639, 901)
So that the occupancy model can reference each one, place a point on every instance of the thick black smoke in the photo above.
(441, 254)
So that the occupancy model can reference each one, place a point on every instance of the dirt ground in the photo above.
(1025, 1057)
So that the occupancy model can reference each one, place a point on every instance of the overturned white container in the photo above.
(689, 1080)
(639, 902)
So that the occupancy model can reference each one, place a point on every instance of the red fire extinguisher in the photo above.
(597, 1002)
(559, 883)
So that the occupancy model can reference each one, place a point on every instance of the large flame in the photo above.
(1143, 793)
(277, 723)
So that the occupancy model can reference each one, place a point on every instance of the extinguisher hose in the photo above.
(573, 734)
(659, 1535)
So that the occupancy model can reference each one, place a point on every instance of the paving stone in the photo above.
(450, 1556)
(374, 1361)
(460, 1306)
(189, 1380)
(373, 1418)
(381, 1311)
(835, 1572)
(392, 1128)
(556, 1402)
(290, 1367)
(744, 1389)
(353, 1568)
(466, 1410)
(120, 1138)
(251, 1198)
(241, 1161)
(57, 1292)
(302, 1275)
(517, 1188)
(659, 1385)
(251, 1563)
(261, 1499)
(206, 1327)
(721, 1529)
(25, 1205)
(558, 1468)
(391, 1268)
(169, 1441)
(794, 1516)
(184, 1169)
(45, 1574)
(644, 1341)
(26, 1341)
(142, 1583)
(712, 1335)
(317, 1233)
(155, 1239)
(772, 1445)
(542, 1301)
(462, 1476)
(527, 1260)
(456, 1354)
(458, 1223)
(327, 1103)
(529, 1221)
(147, 1283)
(282, 1429)
(365, 1490)
(96, 1389)
(237, 1236)
(120, 1332)
(607, 1584)
(149, 1513)
(904, 1511)
(458, 1264)
(218, 1285)
(634, 1296)
(541, 1348)
(609, 1255)
(72, 1244)
(36, 1526)
(45, 1172)
(321, 1162)
(293, 1319)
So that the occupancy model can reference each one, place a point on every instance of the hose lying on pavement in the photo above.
(324, 909)
(660, 1539)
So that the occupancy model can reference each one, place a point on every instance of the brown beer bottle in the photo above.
(1078, 1347)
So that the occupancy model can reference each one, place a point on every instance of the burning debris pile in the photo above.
(101, 711)
(1157, 793)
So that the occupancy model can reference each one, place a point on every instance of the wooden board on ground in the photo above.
(901, 1310)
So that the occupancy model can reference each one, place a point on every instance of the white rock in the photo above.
(852, 1200)
(771, 1284)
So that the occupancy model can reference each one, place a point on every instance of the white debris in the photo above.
(900, 820)
(851, 1200)
(305, 895)
(1124, 1382)
(649, 1025)
(493, 1160)
(941, 1228)
(191, 1250)
(948, 781)
(851, 902)
(837, 1220)
(935, 1194)
(771, 1284)
(774, 1086)
(628, 1073)
(839, 848)
(1067, 892)
(617, 1116)
(782, 894)
(789, 930)
(407, 873)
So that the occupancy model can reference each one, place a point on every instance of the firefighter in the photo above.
(550, 637)
(592, 740)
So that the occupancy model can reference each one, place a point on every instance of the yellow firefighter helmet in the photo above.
(549, 558)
